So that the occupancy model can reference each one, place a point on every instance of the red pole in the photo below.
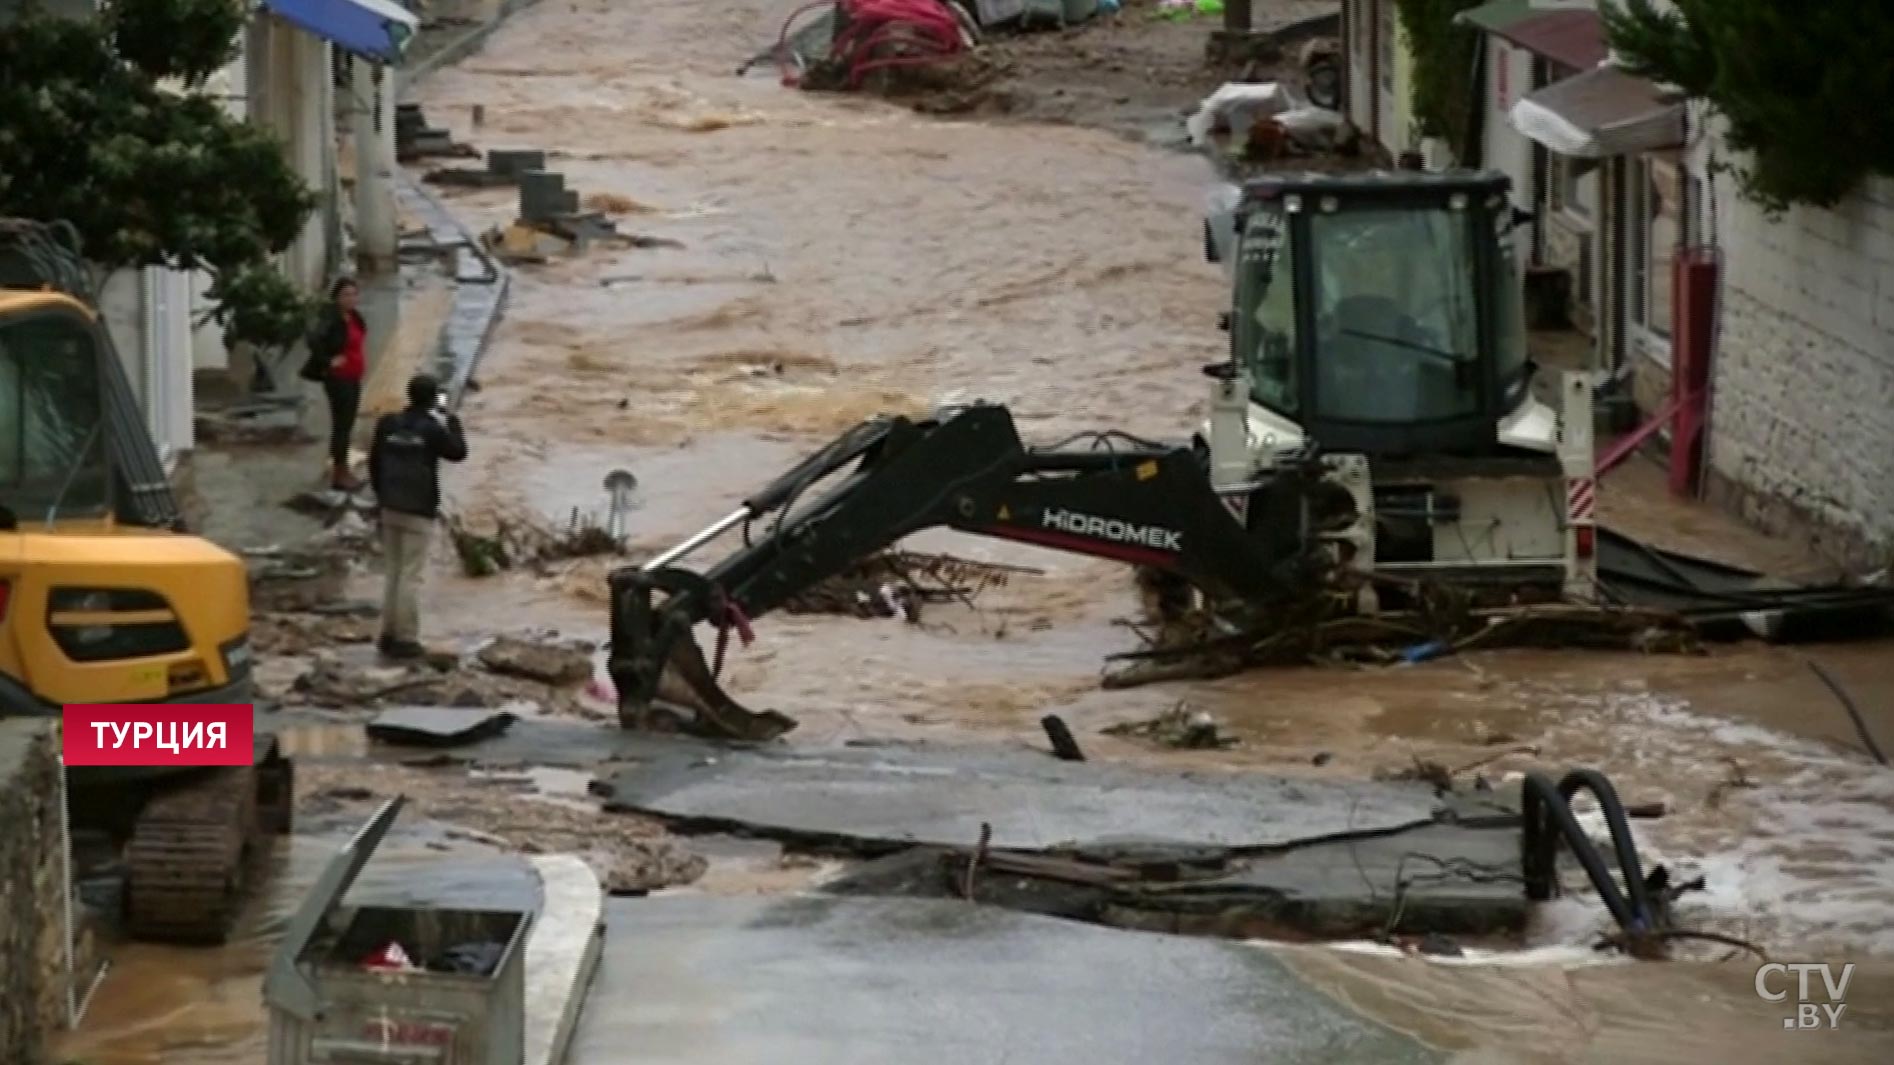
(1694, 276)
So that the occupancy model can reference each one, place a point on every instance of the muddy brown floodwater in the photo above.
(843, 257)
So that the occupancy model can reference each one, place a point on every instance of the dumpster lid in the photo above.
(287, 987)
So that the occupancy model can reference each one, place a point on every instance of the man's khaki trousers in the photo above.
(404, 540)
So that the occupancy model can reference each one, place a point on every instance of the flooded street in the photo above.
(843, 257)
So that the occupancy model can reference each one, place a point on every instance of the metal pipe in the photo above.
(92, 989)
(708, 533)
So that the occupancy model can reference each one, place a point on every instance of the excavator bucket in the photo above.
(688, 684)
(657, 665)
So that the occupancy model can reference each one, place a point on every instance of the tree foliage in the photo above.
(1804, 86)
(1444, 95)
(151, 176)
(185, 39)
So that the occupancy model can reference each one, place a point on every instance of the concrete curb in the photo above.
(479, 303)
(562, 954)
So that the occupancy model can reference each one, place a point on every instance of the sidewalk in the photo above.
(420, 319)
(239, 490)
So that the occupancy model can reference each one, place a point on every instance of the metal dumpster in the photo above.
(460, 1006)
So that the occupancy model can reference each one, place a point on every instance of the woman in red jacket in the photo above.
(340, 354)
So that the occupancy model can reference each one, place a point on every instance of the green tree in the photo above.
(1804, 86)
(1444, 94)
(102, 124)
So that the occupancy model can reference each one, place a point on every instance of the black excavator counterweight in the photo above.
(1119, 498)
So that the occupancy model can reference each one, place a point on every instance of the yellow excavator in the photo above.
(105, 598)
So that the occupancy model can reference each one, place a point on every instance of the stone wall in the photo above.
(33, 988)
(1803, 404)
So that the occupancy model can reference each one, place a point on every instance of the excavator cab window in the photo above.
(53, 458)
(1396, 315)
(1509, 333)
(1265, 317)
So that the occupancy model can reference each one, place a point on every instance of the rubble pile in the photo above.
(553, 661)
(301, 580)
(341, 682)
(296, 633)
(629, 854)
(1324, 628)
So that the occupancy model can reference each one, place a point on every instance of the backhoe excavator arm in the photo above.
(1138, 503)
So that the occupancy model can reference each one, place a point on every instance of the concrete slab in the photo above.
(751, 981)
(562, 956)
(560, 742)
(438, 726)
(1451, 879)
(886, 798)
(1447, 879)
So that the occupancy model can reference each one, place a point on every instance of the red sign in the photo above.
(159, 734)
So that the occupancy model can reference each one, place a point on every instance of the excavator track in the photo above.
(189, 858)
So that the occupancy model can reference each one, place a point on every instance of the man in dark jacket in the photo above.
(404, 468)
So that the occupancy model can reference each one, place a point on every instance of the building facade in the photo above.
(282, 78)
(1624, 181)
(1801, 402)
(1377, 85)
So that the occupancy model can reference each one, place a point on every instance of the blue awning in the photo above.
(373, 29)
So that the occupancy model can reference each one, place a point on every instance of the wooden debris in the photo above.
(898, 583)
(1426, 772)
(1197, 645)
(1044, 867)
(525, 540)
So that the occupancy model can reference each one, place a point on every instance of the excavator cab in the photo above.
(1381, 316)
(104, 599)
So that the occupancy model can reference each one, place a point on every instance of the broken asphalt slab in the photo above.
(438, 726)
(535, 737)
(1441, 879)
(1448, 879)
(754, 981)
(885, 799)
